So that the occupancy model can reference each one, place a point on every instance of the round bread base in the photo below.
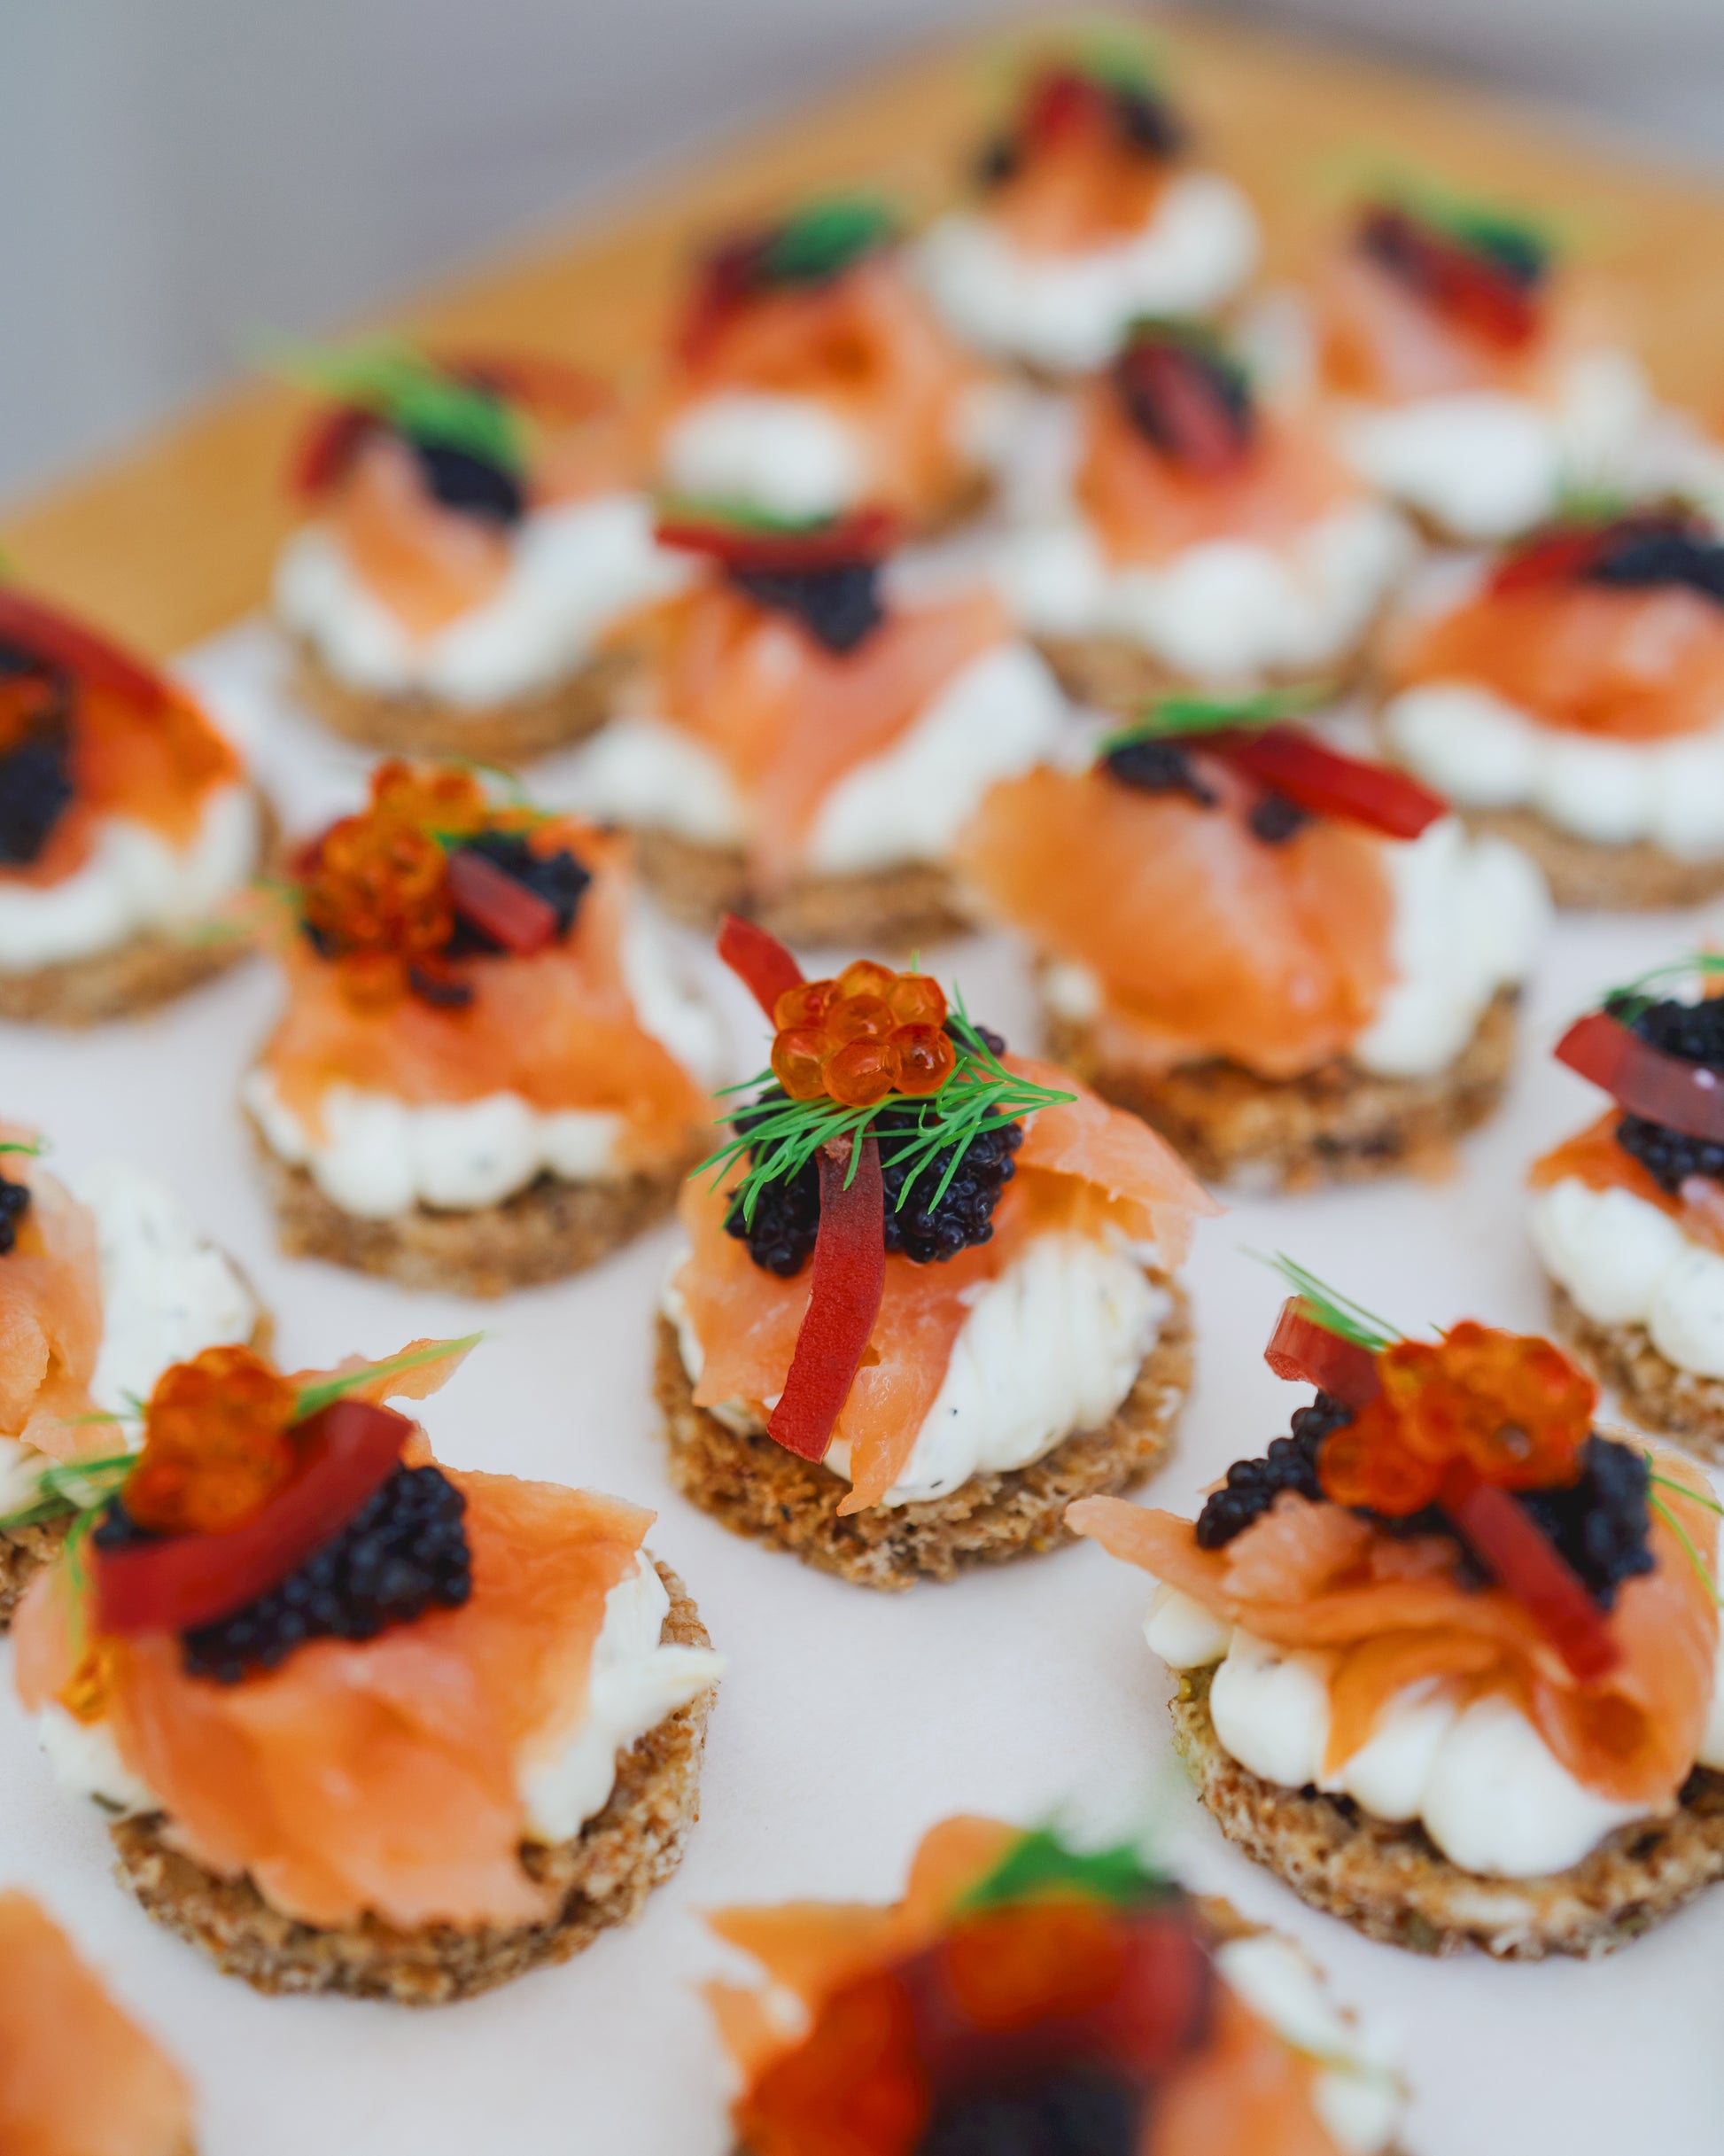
(1114, 674)
(1582, 873)
(600, 1878)
(1335, 1124)
(1658, 1394)
(414, 724)
(757, 1489)
(892, 909)
(544, 1232)
(1392, 1882)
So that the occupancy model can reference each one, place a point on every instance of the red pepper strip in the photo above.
(848, 1280)
(865, 537)
(493, 901)
(760, 962)
(1558, 557)
(45, 633)
(1062, 103)
(1308, 1353)
(327, 447)
(1206, 439)
(1325, 784)
(351, 1448)
(1687, 1097)
(1533, 1570)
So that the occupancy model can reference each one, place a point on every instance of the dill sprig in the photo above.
(1038, 1862)
(312, 1399)
(32, 1146)
(787, 1135)
(72, 1486)
(399, 384)
(827, 237)
(728, 514)
(1629, 1001)
(1336, 1312)
(1656, 1504)
(1179, 716)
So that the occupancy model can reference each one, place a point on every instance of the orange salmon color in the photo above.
(1208, 943)
(50, 1315)
(1592, 1156)
(78, 2077)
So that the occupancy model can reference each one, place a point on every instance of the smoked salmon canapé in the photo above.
(477, 543)
(78, 2076)
(1448, 1654)
(816, 720)
(128, 827)
(1031, 1997)
(366, 1724)
(1295, 964)
(1569, 694)
(1475, 377)
(808, 378)
(489, 1071)
(103, 1285)
(1088, 212)
(928, 1291)
(1627, 1215)
(1189, 532)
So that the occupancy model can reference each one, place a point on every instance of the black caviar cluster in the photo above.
(839, 605)
(1694, 1032)
(1158, 767)
(1078, 2110)
(1274, 818)
(35, 771)
(14, 1203)
(1253, 1485)
(403, 1552)
(786, 1215)
(558, 878)
(1648, 552)
(472, 486)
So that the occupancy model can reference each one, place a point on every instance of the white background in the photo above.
(850, 1722)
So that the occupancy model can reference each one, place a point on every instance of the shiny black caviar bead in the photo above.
(1253, 1485)
(1158, 767)
(1669, 1156)
(1081, 2111)
(1149, 124)
(1000, 161)
(403, 1553)
(35, 773)
(558, 878)
(471, 485)
(1602, 1522)
(838, 606)
(1274, 818)
(1695, 1033)
(14, 1203)
(1644, 557)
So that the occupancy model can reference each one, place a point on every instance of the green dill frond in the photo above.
(1634, 997)
(1179, 716)
(1336, 1312)
(1658, 1505)
(725, 514)
(827, 237)
(408, 391)
(74, 1487)
(1669, 1481)
(312, 1398)
(31, 1145)
(1040, 1862)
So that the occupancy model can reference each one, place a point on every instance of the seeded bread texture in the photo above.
(895, 909)
(602, 1876)
(544, 1232)
(1618, 879)
(414, 724)
(1112, 673)
(757, 1489)
(1658, 1394)
(1392, 1882)
(1336, 1125)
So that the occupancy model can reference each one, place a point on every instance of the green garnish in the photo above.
(32, 1146)
(1334, 1311)
(729, 515)
(73, 1486)
(826, 239)
(1632, 999)
(1039, 1861)
(1178, 717)
(313, 1398)
(1681, 1534)
(1521, 243)
(408, 390)
(786, 1136)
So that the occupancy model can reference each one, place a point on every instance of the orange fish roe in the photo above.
(869, 1032)
(1511, 1406)
(216, 1446)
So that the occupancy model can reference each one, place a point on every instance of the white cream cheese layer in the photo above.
(378, 1155)
(1225, 611)
(565, 1773)
(1624, 1262)
(1069, 313)
(1485, 752)
(573, 571)
(134, 881)
(1051, 1345)
(1469, 916)
(995, 717)
(792, 456)
(1491, 1793)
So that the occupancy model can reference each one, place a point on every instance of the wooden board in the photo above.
(176, 540)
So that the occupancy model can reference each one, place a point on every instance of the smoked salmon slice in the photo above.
(1592, 1156)
(77, 2076)
(50, 1315)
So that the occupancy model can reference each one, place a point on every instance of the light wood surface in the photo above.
(171, 542)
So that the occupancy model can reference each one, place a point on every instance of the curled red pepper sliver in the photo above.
(760, 962)
(1308, 1353)
(88, 656)
(495, 901)
(351, 1448)
(1687, 1097)
(1533, 1570)
(1323, 782)
(868, 535)
(846, 1283)
(328, 446)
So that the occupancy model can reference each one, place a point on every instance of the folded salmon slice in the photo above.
(1386, 1615)
(425, 564)
(1078, 1165)
(77, 2076)
(558, 1028)
(1208, 942)
(1593, 1156)
(50, 1316)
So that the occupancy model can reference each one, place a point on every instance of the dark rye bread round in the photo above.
(1392, 1883)
(1658, 1394)
(891, 909)
(543, 1233)
(757, 1489)
(602, 1876)
(416, 724)
(1335, 1124)
(1582, 874)
(1112, 674)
